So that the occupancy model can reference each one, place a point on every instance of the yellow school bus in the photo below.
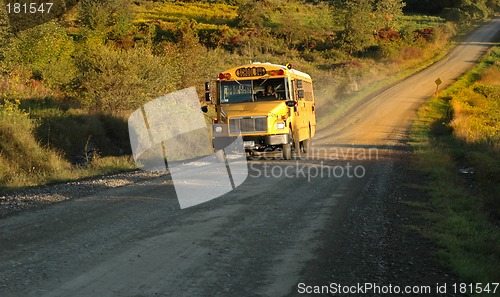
(271, 106)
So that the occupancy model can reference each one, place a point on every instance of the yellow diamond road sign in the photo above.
(438, 81)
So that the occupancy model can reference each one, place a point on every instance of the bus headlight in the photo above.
(218, 129)
(280, 125)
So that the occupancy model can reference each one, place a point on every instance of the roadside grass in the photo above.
(456, 143)
(23, 160)
(26, 161)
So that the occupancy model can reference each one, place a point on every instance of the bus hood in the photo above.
(267, 108)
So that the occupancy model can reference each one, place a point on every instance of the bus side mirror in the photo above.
(290, 103)
(300, 94)
(204, 109)
(208, 96)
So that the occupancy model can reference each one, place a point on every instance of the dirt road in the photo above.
(335, 217)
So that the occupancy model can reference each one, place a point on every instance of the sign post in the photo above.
(438, 81)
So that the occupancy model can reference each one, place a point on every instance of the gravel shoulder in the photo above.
(36, 197)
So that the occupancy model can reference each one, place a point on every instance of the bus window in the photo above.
(268, 89)
(308, 91)
(236, 92)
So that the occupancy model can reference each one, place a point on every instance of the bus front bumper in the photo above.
(265, 141)
(222, 139)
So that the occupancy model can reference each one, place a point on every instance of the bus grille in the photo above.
(248, 124)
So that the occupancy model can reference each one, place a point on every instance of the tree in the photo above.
(4, 28)
(254, 14)
(359, 25)
(291, 29)
(190, 55)
(111, 17)
(461, 11)
(387, 11)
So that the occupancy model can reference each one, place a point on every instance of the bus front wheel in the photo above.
(287, 151)
(306, 145)
(220, 156)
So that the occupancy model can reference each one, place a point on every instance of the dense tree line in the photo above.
(440, 7)
(114, 64)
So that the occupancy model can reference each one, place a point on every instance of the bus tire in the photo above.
(297, 147)
(287, 151)
(306, 145)
(220, 156)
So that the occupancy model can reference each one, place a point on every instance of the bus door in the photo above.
(309, 109)
(301, 110)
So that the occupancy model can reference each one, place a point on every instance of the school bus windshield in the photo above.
(266, 89)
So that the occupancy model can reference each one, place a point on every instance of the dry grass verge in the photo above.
(456, 141)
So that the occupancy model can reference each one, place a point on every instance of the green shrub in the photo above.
(115, 80)
(383, 51)
(457, 15)
(46, 51)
